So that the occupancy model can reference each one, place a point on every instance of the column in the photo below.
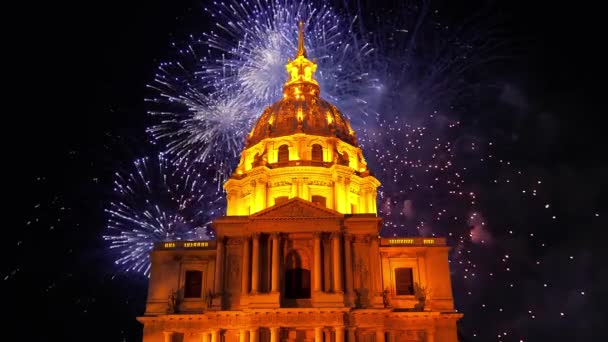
(339, 334)
(219, 265)
(215, 335)
(379, 335)
(168, 336)
(205, 336)
(253, 335)
(347, 203)
(318, 334)
(335, 240)
(351, 334)
(246, 276)
(391, 335)
(243, 335)
(255, 263)
(348, 265)
(326, 335)
(275, 262)
(317, 263)
(430, 335)
(274, 334)
(375, 267)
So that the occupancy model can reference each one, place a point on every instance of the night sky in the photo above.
(78, 116)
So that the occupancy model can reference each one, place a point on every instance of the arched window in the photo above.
(317, 152)
(256, 160)
(344, 159)
(283, 154)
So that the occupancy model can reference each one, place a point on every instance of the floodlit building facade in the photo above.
(298, 257)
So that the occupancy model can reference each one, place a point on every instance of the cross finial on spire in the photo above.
(301, 49)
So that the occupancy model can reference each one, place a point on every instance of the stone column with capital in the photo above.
(255, 264)
(347, 206)
(337, 261)
(375, 267)
(205, 336)
(430, 335)
(219, 265)
(348, 265)
(168, 336)
(274, 334)
(276, 240)
(246, 277)
(215, 335)
(318, 334)
(379, 335)
(326, 335)
(317, 263)
(339, 334)
(352, 334)
(253, 335)
(243, 334)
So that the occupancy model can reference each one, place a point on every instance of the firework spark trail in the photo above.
(256, 38)
(408, 114)
(206, 100)
(158, 201)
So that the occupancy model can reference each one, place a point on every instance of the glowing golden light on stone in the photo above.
(294, 152)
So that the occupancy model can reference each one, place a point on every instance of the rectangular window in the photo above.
(193, 286)
(404, 284)
(281, 199)
(318, 200)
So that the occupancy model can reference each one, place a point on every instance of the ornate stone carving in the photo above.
(297, 208)
(279, 183)
(348, 237)
(235, 241)
(319, 182)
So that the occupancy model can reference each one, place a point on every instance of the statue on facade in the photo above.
(421, 294)
(385, 300)
(172, 303)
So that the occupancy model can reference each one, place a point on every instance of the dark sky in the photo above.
(80, 72)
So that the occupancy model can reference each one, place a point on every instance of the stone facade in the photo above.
(298, 256)
(349, 273)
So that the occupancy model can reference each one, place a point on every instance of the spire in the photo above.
(301, 48)
(301, 69)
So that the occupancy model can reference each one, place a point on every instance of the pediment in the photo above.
(296, 208)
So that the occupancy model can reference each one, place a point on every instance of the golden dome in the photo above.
(301, 110)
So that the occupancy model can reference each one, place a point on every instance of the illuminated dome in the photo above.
(301, 147)
(301, 110)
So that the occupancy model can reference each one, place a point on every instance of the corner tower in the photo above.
(302, 146)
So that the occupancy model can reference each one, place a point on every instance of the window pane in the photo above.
(283, 153)
(403, 281)
(281, 199)
(193, 286)
(317, 152)
(319, 200)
